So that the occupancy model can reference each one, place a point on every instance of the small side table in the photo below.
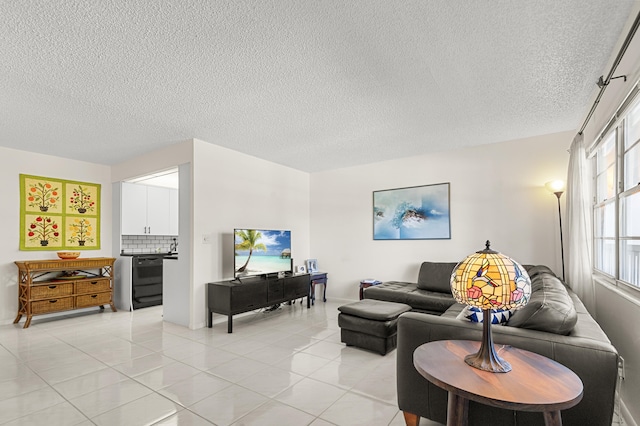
(315, 279)
(366, 284)
(535, 383)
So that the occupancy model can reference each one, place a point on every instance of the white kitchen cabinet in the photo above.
(146, 210)
(134, 209)
(158, 202)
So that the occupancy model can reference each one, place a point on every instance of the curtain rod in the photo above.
(604, 83)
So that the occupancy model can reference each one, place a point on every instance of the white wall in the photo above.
(618, 313)
(154, 161)
(234, 190)
(177, 281)
(497, 194)
(12, 164)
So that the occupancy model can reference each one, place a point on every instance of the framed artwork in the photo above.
(413, 213)
(58, 214)
(301, 269)
(312, 265)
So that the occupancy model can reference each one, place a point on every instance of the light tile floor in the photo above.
(285, 367)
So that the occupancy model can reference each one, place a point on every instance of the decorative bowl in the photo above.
(68, 254)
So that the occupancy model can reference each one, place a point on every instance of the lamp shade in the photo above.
(555, 186)
(490, 280)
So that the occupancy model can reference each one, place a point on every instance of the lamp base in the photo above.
(486, 358)
(492, 364)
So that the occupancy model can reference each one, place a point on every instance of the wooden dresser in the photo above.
(42, 289)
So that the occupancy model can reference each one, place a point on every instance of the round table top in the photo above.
(535, 383)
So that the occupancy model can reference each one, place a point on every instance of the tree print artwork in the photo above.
(43, 230)
(43, 195)
(81, 231)
(81, 201)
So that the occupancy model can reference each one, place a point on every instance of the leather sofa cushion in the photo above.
(436, 276)
(391, 291)
(430, 301)
(382, 329)
(550, 308)
(408, 293)
(534, 270)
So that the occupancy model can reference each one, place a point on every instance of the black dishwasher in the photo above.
(146, 281)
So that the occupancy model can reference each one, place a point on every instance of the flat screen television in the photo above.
(261, 252)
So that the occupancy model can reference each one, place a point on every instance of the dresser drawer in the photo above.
(96, 299)
(51, 290)
(93, 286)
(51, 305)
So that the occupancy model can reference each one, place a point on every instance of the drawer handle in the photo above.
(53, 286)
(94, 282)
(53, 301)
(94, 296)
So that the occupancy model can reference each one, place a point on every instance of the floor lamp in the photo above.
(557, 187)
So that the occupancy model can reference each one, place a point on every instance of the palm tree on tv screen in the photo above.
(250, 238)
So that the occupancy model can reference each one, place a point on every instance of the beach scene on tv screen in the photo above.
(260, 251)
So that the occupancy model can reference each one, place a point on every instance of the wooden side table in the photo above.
(535, 383)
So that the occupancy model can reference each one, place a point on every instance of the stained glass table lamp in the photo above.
(489, 280)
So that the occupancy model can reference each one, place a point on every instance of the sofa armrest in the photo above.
(594, 361)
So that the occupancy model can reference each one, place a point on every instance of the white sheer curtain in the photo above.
(579, 230)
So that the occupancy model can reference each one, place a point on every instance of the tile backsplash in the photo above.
(147, 243)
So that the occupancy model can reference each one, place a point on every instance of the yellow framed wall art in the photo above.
(58, 214)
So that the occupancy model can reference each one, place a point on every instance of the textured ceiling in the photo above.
(314, 85)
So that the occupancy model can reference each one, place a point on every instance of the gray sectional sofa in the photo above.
(554, 324)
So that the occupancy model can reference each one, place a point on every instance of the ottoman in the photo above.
(371, 324)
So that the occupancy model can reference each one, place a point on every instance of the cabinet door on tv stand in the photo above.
(302, 285)
(297, 286)
(245, 297)
(275, 291)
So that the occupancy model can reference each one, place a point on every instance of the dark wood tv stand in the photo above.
(233, 297)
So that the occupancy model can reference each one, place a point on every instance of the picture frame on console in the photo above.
(312, 265)
(300, 269)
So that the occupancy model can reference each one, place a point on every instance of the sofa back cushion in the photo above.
(534, 270)
(436, 276)
(550, 307)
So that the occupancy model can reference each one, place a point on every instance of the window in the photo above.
(616, 211)
(604, 213)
